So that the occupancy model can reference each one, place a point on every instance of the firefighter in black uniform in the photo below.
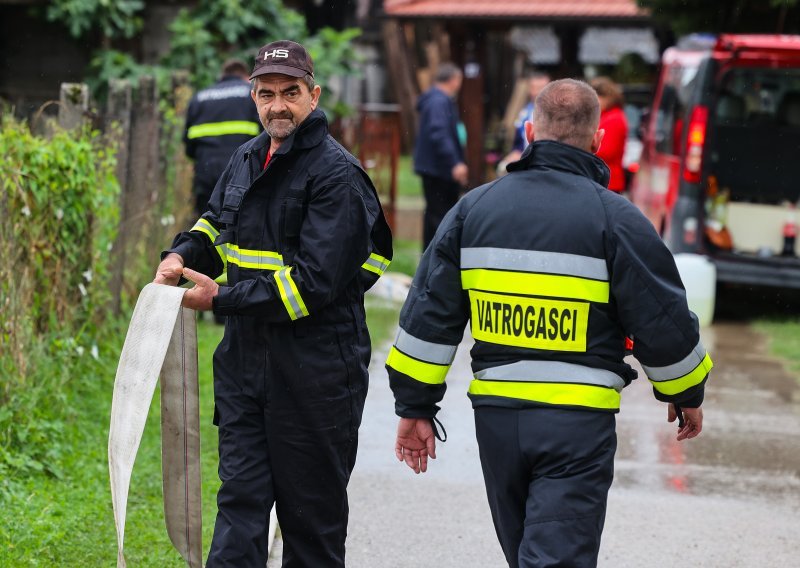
(298, 226)
(553, 272)
(219, 120)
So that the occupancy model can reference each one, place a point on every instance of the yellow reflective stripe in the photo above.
(687, 381)
(203, 226)
(296, 292)
(256, 259)
(292, 301)
(535, 284)
(223, 128)
(421, 371)
(376, 263)
(550, 393)
(533, 323)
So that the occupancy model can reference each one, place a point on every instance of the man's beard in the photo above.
(280, 125)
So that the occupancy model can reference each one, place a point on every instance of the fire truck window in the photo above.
(668, 119)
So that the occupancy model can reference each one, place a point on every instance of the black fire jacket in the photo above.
(552, 271)
(300, 240)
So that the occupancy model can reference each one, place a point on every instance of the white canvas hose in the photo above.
(161, 339)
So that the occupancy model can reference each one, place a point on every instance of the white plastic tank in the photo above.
(699, 277)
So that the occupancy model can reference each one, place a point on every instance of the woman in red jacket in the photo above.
(613, 121)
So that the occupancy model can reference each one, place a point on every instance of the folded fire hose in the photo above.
(161, 339)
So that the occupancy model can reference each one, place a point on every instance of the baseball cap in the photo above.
(284, 57)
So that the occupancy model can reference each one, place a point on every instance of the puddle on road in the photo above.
(750, 445)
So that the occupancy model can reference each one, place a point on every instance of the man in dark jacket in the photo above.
(438, 155)
(553, 272)
(298, 226)
(219, 120)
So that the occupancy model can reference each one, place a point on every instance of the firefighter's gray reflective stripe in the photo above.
(679, 369)
(203, 226)
(552, 372)
(534, 261)
(161, 339)
(376, 263)
(220, 93)
(290, 295)
(257, 259)
(428, 351)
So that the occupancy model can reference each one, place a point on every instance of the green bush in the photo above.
(59, 209)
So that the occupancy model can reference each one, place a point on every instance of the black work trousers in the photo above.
(288, 439)
(547, 474)
(440, 196)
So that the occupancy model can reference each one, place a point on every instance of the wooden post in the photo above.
(73, 105)
(117, 129)
(117, 125)
(141, 190)
(184, 169)
(472, 103)
(402, 79)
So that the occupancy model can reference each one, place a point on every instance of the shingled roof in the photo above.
(476, 9)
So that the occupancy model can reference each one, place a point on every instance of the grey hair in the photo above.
(445, 72)
(567, 111)
(308, 79)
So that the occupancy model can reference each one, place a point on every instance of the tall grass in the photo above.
(59, 209)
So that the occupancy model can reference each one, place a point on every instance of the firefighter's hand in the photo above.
(460, 173)
(693, 421)
(170, 270)
(201, 295)
(415, 443)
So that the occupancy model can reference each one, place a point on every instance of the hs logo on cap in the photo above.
(277, 53)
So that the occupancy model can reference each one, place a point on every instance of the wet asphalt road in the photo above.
(728, 498)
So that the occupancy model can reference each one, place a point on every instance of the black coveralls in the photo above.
(302, 239)
(219, 120)
(552, 271)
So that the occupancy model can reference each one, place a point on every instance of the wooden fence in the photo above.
(153, 173)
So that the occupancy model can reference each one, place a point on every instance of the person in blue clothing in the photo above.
(536, 82)
(438, 154)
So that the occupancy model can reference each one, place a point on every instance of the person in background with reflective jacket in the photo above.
(552, 272)
(297, 224)
(615, 126)
(438, 154)
(219, 120)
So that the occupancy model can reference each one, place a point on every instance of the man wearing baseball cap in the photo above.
(298, 227)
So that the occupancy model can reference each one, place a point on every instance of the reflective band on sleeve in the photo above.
(552, 372)
(680, 384)
(534, 261)
(223, 128)
(205, 227)
(550, 393)
(679, 369)
(289, 294)
(255, 259)
(376, 263)
(437, 353)
(535, 284)
(421, 371)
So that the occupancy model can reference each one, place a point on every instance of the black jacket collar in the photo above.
(558, 156)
